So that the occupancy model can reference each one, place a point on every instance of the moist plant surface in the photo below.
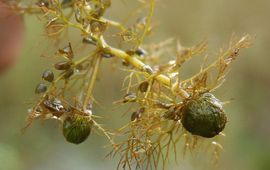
(169, 111)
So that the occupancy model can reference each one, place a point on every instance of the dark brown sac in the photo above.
(48, 75)
(55, 107)
(137, 115)
(63, 65)
(140, 52)
(41, 88)
(68, 73)
(143, 86)
(203, 116)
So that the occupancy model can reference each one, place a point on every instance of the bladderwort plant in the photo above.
(170, 111)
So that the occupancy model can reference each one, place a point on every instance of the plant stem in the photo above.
(92, 82)
(165, 80)
(148, 22)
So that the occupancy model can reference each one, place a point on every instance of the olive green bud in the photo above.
(76, 129)
(203, 116)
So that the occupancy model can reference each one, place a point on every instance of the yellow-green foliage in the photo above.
(155, 86)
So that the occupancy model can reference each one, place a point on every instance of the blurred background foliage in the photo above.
(247, 141)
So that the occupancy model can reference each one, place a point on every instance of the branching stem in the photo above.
(165, 80)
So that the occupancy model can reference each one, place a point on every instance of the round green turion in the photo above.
(76, 129)
(204, 116)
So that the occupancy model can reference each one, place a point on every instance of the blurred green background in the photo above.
(247, 144)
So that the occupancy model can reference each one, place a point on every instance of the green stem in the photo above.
(165, 80)
(92, 82)
(148, 23)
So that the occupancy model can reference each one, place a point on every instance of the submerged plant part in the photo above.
(63, 65)
(168, 110)
(48, 75)
(76, 129)
(204, 116)
(41, 88)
